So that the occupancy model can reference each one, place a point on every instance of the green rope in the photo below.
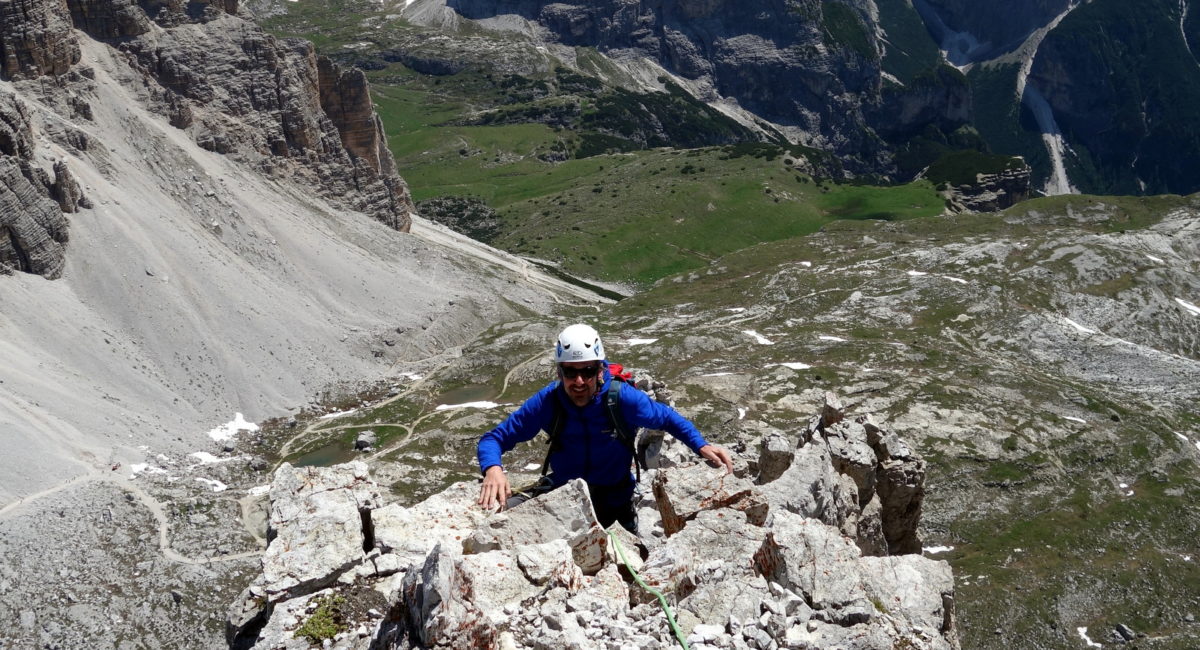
(661, 600)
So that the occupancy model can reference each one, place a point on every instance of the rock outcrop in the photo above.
(775, 59)
(812, 68)
(36, 39)
(991, 192)
(289, 112)
(743, 563)
(33, 230)
(991, 29)
(235, 89)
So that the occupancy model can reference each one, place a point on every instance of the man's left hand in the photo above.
(717, 456)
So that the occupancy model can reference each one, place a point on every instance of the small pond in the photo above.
(333, 453)
(468, 393)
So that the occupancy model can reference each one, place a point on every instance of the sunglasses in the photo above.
(587, 372)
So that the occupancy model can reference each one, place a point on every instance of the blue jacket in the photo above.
(590, 449)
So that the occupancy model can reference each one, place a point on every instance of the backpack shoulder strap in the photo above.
(557, 421)
(625, 433)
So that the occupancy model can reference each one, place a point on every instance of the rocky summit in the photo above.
(811, 543)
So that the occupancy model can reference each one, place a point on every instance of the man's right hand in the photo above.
(495, 489)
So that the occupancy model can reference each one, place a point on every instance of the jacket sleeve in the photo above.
(521, 425)
(641, 411)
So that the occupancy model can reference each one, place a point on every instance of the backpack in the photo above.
(612, 408)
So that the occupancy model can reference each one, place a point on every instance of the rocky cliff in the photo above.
(33, 230)
(232, 88)
(990, 192)
(813, 544)
(810, 68)
(972, 31)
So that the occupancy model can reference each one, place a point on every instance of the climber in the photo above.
(588, 443)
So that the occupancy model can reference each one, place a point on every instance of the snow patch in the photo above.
(937, 549)
(736, 310)
(741, 413)
(1079, 327)
(230, 429)
(954, 279)
(717, 374)
(466, 405)
(216, 485)
(410, 375)
(917, 273)
(1153, 258)
(806, 264)
(1083, 635)
(335, 414)
(1182, 437)
(207, 458)
(758, 337)
(1189, 306)
(832, 338)
(139, 468)
(1074, 419)
(641, 341)
(794, 365)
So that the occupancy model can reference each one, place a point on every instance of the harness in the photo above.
(612, 408)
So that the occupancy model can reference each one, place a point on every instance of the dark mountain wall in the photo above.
(1124, 87)
(998, 27)
(799, 63)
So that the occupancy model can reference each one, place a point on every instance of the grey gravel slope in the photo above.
(196, 288)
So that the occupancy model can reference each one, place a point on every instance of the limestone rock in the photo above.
(774, 457)
(366, 439)
(109, 19)
(716, 545)
(565, 513)
(991, 192)
(809, 487)
(852, 455)
(543, 575)
(320, 526)
(274, 103)
(901, 493)
(450, 517)
(36, 39)
(33, 231)
(66, 190)
(684, 491)
(440, 604)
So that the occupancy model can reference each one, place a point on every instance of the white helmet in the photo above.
(578, 343)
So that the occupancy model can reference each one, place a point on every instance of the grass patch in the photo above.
(324, 623)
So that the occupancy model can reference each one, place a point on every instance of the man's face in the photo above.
(581, 379)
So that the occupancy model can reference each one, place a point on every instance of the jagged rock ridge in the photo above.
(232, 87)
(811, 545)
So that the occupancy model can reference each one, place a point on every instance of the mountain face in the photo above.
(1101, 88)
(809, 68)
(1092, 95)
(199, 224)
(971, 31)
(274, 104)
